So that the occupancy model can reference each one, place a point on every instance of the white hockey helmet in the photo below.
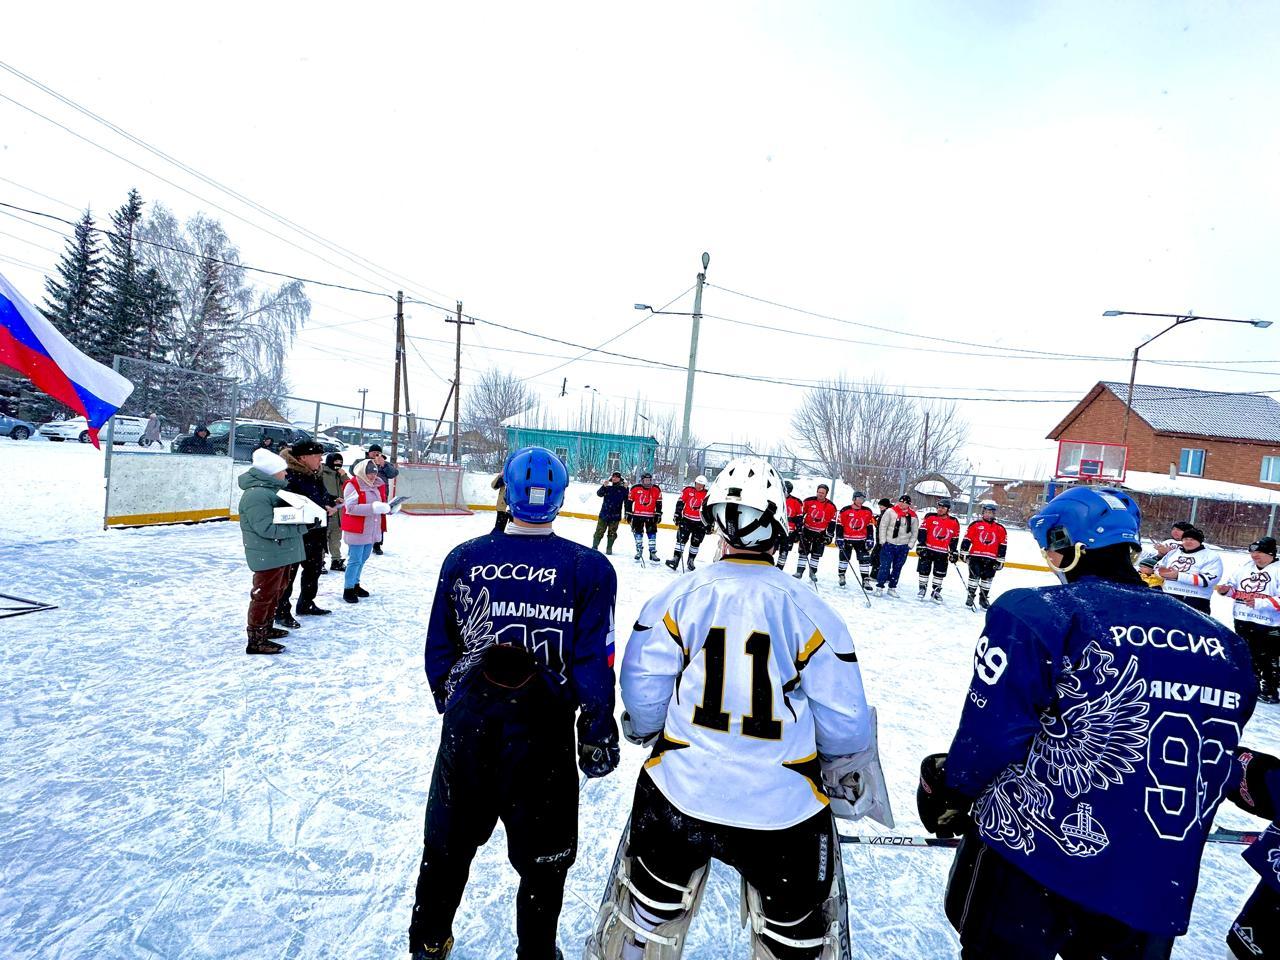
(747, 503)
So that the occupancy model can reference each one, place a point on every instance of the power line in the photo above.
(200, 256)
(381, 272)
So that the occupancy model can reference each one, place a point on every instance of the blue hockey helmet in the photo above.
(1088, 518)
(536, 481)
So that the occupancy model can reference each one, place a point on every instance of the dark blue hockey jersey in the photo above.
(553, 597)
(1097, 737)
(1264, 854)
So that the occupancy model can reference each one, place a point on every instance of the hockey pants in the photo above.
(505, 754)
(848, 548)
(1264, 649)
(789, 868)
(690, 532)
(931, 562)
(603, 527)
(1255, 935)
(893, 557)
(787, 544)
(812, 543)
(1000, 913)
(982, 571)
(642, 525)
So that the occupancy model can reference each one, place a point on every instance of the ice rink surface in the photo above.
(163, 795)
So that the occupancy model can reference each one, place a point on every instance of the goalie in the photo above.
(748, 688)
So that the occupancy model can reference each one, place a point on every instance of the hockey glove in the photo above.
(953, 557)
(598, 759)
(855, 783)
(640, 739)
(380, 506)
(943, 810)
(1000, 563)
(1253, 781)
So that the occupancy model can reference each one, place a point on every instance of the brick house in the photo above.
(1219, 436)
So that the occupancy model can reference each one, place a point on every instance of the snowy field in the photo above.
(164, 795)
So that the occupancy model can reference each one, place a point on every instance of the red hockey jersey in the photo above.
(857, 523)
(689, 506)
(645, 501)
(794, 509)
(818, 514)
(938, 533)
(985, 538)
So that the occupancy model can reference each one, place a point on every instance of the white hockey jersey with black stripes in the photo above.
(1198, 572)
(1262, 587)
(748, 674)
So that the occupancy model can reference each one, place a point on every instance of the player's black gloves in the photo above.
(953, 557)
(598, 759)
(943, 810)
(1249, 787)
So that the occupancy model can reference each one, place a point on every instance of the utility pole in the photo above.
(457, 380)
(395, 403)
(682, 467)
(362, 391)
(924, 455)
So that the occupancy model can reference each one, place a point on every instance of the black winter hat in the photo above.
(1264, 545)
(905, 498)
(374, 448)
(1194, 532)
(332, 458)
(306, 448)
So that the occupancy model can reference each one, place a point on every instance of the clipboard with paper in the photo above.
(300, 509)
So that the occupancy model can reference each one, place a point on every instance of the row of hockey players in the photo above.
(1186, 568)
(882, 543)
(1064, 773)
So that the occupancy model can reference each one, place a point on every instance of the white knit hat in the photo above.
(268, 462)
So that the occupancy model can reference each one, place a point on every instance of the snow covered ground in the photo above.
(164, 795)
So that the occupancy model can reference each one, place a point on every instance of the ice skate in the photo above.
(984, 600)
(674, 563)
(893, 591)
(936, 595)
(842, 581)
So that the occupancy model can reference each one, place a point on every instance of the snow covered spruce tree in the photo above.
(122, 324)
(72, 298)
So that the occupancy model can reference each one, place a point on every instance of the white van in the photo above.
(127, 429)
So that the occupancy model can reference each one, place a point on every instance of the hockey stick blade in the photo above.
(1243, 837)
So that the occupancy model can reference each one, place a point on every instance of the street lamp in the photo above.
(594, 393)
(362, 391)
(683, 461)
(1178, 320)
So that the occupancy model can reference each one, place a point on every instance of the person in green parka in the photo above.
(271, 549)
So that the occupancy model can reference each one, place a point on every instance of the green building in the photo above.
(591, 436)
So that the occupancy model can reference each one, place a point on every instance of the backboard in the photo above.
(1091, 462)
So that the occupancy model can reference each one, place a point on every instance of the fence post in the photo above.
(902, 483)
(316, 426)
(1271, 522)
(973, 493)
(231, 416)
(1195, 506)
(106, 466)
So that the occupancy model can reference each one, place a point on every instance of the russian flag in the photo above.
(30, 344)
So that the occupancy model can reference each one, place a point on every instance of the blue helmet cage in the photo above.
(536, 480)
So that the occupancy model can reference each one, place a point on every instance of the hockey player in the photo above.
(1096, 737)
(1255, 588)
(936, 544)
(983, 549)
(520, 637)
(1191, 571)
(795, 508)
(1255, 788)
(856, 533)
(817, 529)
(769, 733)
(690, 528)
(1175, 538)
(644, 510)
(898, 526)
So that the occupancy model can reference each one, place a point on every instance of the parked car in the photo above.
(249, 434)
(127, 429)
(15, 428)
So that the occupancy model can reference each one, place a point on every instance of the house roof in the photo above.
(1202, 413)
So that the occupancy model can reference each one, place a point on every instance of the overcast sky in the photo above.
(991, 172)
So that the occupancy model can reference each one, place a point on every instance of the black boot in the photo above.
(286, 619)
(377, 549)
(275, 633)
(360, 591)
(438, 951)
(674, 562)
(338, 564)
(260, 644)
(350, 595)
(310, 609)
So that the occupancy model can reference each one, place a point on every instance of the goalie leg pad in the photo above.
(643, 916)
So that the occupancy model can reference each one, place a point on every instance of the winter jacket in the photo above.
(267, 544)
(333, 480)
(361, 514)
(195, 444)
(898, 525)
(614, 494)
(311, 485)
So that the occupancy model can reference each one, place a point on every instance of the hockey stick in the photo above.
(1243, 837)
